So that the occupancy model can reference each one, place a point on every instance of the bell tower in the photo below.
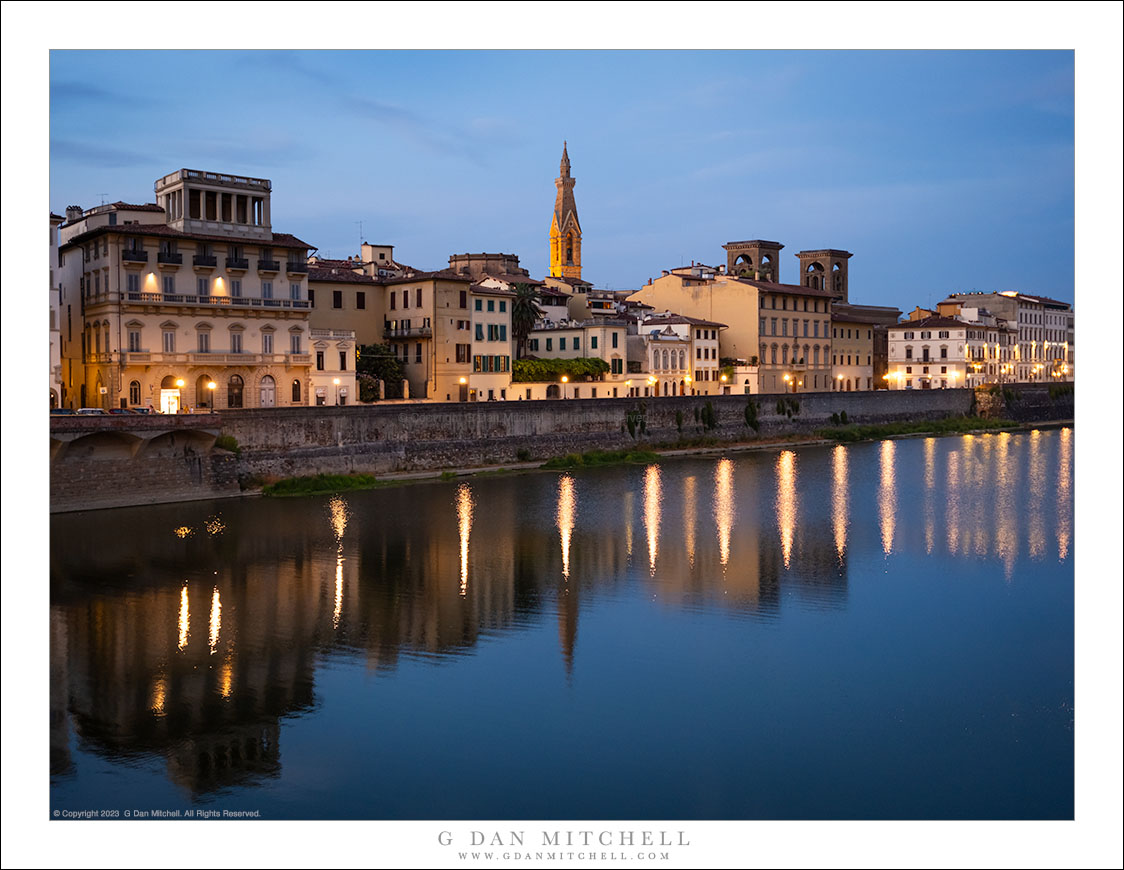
(565, 231)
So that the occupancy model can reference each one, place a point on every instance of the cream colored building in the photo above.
(928, 354)
(333, 367)
(56, 381)
(189, 302)
(852, 354)
(599, 338)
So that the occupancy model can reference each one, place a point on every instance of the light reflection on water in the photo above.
(796, 536)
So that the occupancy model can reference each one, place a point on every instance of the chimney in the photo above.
(73, 212)
(665, 273)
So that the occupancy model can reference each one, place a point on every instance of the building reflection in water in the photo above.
(786, 502)
(724, 507)
(690, 513)
(129, 678)
(1007, 479)
(840, 489)
(567, 507)
(887, 496)
(465, 505)
(652, 497)
(1065, 506)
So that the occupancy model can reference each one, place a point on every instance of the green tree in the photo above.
(378, 362)
(525, 312)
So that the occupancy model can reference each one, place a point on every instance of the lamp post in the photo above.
(211, 395)
(336, 384)
(565, 380)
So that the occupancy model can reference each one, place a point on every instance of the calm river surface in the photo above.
(880, 630)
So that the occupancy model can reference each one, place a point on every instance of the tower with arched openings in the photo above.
(565, 230)
(825, 269)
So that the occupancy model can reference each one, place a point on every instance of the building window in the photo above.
(266, 289)
(169, 341)
(614, 339)
(562, 343)
(534, 345)
(295, 290)
(134, 341)
(134, 392)
(909, 353)
(417, 350)
(236, 342)
(234, 392)
(393, 300)
(319, 360)
(203, 287)
(236, 287)
(267, 342)
(577, 340)
(295, 342)
(464, 299)
(337, 299)
(360, 300)
(503, 306)
(479, 305)
(204, 337)
(464, 351)
(479, 331)
(296, 397)
(132, 283)
(549, 344)
(491, 304)
(343, 361)
(593, 342)
(418, 297)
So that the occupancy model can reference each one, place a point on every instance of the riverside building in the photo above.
(189, 302)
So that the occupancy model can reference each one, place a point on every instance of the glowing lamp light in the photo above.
(179, 383)
(211, 385)
(565, 379)
(722, 379)
(336, 381)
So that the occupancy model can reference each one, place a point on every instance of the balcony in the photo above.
(237, 264)
(202, 261)
(407, 332)
(295, 268)
(269, 266)
(131, 256)
(342, 334)
(169, 259)
(214, 301)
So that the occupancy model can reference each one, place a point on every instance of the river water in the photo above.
(881, 630)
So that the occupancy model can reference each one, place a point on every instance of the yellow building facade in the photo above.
(565, 230)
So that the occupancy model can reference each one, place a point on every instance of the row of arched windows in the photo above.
(670, 359)
(235, 391)
(783, 354)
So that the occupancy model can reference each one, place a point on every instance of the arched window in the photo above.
(296, 391)
(134, 393)
(234, 392)
(784, 354)
(682, 359)
(816, 355)
(774, 354)
(666, 363)
(267, 392)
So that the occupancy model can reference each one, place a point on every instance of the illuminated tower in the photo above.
(565, 231)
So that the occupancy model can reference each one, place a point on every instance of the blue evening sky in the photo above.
(939, 170)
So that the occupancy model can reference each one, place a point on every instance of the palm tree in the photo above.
(524, 313)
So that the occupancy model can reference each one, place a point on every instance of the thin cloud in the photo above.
(65, 94)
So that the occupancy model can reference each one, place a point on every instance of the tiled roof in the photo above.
(437, 275)
(790, 289)
(148, 206)
(278, 240)
(936, 321)
(681, 318)
(481, 290)
(338, 276)
(513, 279)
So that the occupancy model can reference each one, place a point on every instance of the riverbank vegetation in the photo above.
(596, 458)
(322, 484)
(947, 426)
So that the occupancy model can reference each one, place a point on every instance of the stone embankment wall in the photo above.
(99, 462)
(382, 438)
(108, 462)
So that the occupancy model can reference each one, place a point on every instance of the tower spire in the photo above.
(565, 230)
(564, 166)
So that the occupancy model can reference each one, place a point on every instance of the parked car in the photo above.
(60, 411)
(92, 412)
(121, 411)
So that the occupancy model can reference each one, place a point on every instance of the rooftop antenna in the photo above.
(360, 224)
(103, 196)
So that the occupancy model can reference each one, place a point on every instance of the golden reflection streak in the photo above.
(159, 695)
(724, 507)
(930, 485)
(567, 507)
(1065, 459)
(1036, 536)
(628, 524)
(786, 502)
(690, 507)
(216, 620)
(338, 515)
(952, 502)
(981, 465)
(465, 507)
(226, 675)
(652, 513)
(185, 617)
(887, 497)
(839, 495)
(1006, 527)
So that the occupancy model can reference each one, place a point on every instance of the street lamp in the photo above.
(565, 380)
(211, 395)
(336, 383)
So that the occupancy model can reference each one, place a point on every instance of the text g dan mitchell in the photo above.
(564, 838)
